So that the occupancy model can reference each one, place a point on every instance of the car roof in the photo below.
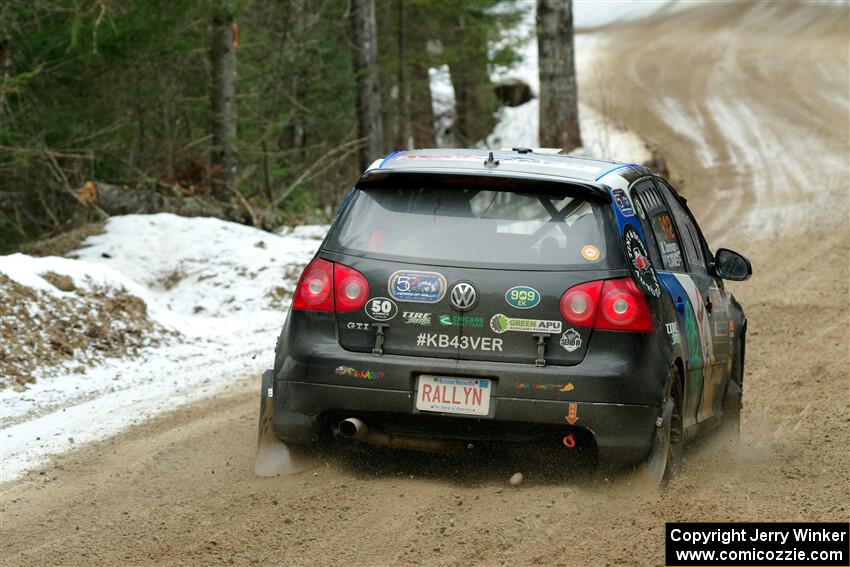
(519, 160)
(519, 163)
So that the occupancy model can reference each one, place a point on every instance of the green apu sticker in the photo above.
(522, 297)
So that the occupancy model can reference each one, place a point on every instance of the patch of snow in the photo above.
(595, 14)
(223, 286)
(688, 124)
(442, 104)
(517, 127)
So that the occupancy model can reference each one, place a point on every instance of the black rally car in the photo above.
(462, 296)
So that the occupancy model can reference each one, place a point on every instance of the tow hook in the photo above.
(540, 362)
(568, 441)
(379, 338)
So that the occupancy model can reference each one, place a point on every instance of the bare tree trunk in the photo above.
(405, 131)
(223, 55)
(299, 81)
(365, 59)
(558, 90)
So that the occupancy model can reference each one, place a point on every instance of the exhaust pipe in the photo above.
(354, 428)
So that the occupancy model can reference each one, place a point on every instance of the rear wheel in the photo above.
(665, 455)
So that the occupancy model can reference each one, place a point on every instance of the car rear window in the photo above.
(476, 226)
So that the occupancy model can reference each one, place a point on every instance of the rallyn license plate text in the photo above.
(454, 341)
(470, 396)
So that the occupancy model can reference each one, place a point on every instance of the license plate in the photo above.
(468, 396)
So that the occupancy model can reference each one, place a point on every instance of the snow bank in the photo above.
(219, 292)
(517, 127)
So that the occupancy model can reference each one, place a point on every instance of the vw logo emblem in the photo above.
(463, 296)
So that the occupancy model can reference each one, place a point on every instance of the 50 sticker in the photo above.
(381, 309)
(522, 297)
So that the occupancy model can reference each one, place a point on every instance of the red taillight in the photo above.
(315, 288)
(325, 285)
(623, 307)
(351, 290)
(578, 304)
(613, 305)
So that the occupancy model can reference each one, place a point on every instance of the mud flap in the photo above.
(654, 467)
(273, 456)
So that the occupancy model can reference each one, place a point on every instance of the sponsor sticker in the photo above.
(673, 331)
(590, 252)
(546, 387)
(500, 323)
(522, 297)
(571, 340)
(721, 328)
(358, 326)
(368, 375)
(437, 340)
(421, 287)
(381, 309)
(640, 264)
(461, 321)
(623, 202)
(416, 318)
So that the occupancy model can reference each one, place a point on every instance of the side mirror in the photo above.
(730, 265)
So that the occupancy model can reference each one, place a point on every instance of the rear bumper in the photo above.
(617, 389)
(622, 433)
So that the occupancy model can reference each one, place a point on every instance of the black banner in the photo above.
(758, 544)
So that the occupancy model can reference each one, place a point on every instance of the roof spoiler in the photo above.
(543, 184)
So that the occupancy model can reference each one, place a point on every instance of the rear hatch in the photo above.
(465, 270)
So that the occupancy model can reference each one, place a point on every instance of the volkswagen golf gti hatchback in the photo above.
(466, 296)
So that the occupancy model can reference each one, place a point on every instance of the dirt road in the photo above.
(750, 105)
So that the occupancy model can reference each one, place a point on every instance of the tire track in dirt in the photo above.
(180, 490)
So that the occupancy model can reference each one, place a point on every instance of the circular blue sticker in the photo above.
(522, 297)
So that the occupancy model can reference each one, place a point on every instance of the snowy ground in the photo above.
(222, 288)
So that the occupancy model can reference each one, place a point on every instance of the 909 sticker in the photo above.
(522, 297)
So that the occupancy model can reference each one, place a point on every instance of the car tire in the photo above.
(733, 398)
(665, 454)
